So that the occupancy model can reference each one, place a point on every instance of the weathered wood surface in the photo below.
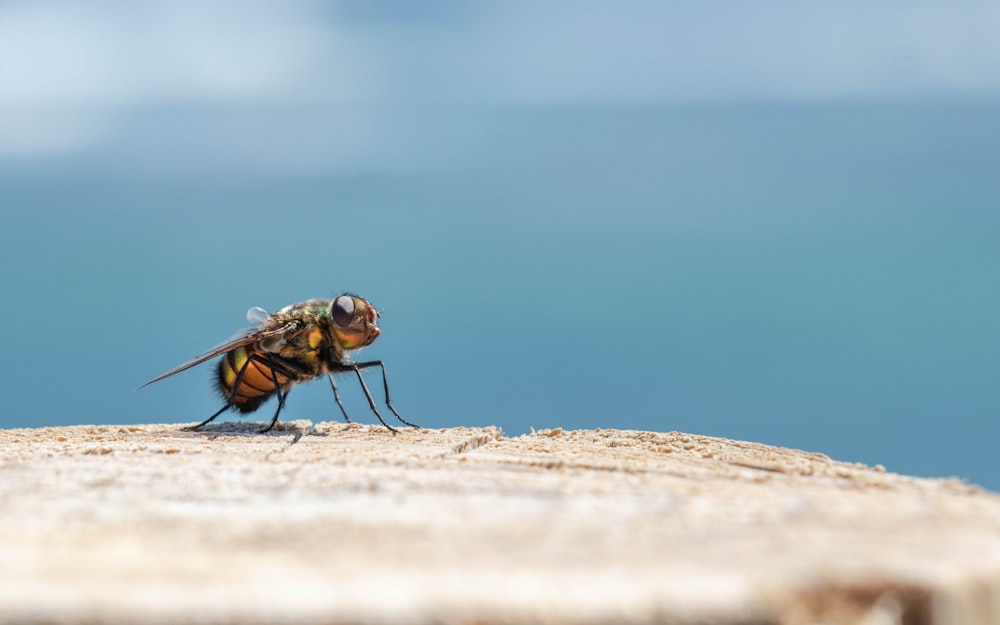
(347, 523)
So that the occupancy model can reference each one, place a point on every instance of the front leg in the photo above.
(356, 368)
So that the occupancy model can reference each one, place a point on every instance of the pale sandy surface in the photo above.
(347, 523)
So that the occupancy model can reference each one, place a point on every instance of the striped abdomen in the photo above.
(257, 383)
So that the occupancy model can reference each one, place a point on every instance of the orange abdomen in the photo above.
(257, 383)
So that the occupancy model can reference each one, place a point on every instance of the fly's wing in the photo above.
(243, 338)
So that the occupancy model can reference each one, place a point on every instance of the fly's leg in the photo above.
(336, 395)
(195, 428)
(371, 401)
(269, 363)
(229, 402)
(356, 368)
(385, 385)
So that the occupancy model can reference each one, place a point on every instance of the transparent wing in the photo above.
(257, 316)
(243, 338)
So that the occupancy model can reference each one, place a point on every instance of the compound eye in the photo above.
(342, 310)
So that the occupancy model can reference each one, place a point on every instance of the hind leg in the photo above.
(229, 403)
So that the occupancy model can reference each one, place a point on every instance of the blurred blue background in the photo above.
(774, 221)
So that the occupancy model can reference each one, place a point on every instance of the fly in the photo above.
(299, 343)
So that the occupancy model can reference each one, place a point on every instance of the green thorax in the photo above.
(312, 341)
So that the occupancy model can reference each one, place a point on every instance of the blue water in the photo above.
(821, 276)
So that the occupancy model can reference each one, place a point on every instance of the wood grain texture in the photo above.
(338, 523)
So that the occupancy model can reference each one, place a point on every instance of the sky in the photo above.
(74, 75)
